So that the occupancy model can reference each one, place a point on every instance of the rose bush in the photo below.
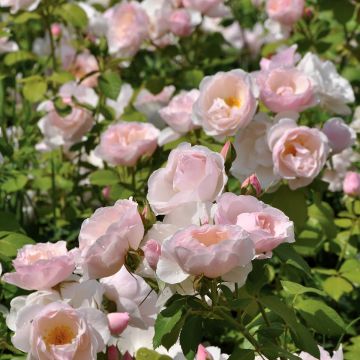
(179, 179)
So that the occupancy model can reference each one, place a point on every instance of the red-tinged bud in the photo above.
(251, 185)
(224, 151)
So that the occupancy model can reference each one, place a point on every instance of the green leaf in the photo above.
(73, 14)
(343, 223)
(321, 317)
(242, 354)
(192, 78)
(61, 77)
(190, 336)
(110, 84)
(35, 90)
(323, 212)
(14, 184)
(25, 17)
(18, 56)
(146, 354)
(336, 286)
(61, 108)
(11, 242)
(8, 222)
(297, 289)
(104, 178)
(350, 270)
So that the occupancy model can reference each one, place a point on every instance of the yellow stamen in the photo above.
(59, 335)
(232, 101)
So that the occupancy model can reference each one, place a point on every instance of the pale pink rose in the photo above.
(285, 89)
(41, 266)
(226, 103)
(150, 104)
(324, 355)
(177, 114)
(118, 322)
(191, 174)
(284, 58)
(58, 331)
(124, 143)
(83, 64)
(133, 295)
(299, 153)
(7, 46)
(106, 237)
(202, 353)
(211, 250)
(254, 182)
(340, 135)
(128, 28)
(152, 252)
(180, 22)
(16, 5)
(213, 8)
(268, 227)
(286, 12)
(351, 185)
(254, 38)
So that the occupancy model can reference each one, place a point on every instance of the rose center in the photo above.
(210, 237)
(232, 101)
(285, 90)
(59, 335)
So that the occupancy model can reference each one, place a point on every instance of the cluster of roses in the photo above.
(87, 301)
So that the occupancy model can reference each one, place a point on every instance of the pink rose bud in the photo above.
(152, 252)
(113, 353)
(106, 192)
(224, 151)
(254, 182)
(203, 354)
(56, 30)
(308, 13)
(340, 135)
(286, 12)
(118, 322)
(351, 185)
(180, 22)
(127, 356)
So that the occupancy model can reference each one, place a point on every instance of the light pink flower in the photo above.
(83, 64)
(124, 143)
(211, 250)
(118, 322)
(351, 185)
(106, 237)
(324, 355)
(226, 103)
(7, 46)
(177, 114)
(133, 295)
(152, 252)
(202, 353)
(41, 266)
(58, 331)
(285, 89)
(340, 135)
(286, 12)
(191, 174)
(268, 227)
(299, 153)
(285, 58)
(180, 22)
(16, 5)
(213, 8)
(128, 27)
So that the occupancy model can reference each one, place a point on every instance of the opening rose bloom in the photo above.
(285, 89)
(124, 143)
(106, 237)
(213, 8)
(191, 174)
(340, 135)
(299, 153)
(286, 12)
(214, 251)
(58, 331)
(351, 185)
(128, 27)
(268, 227)
(41, 266)
(133, 295)
(226, 103)
(177, 114)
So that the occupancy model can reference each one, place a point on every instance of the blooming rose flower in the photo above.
(51, 263)
(128, 27)
(268, 227)
(191, 174)
(286, 12)
(16, 5)
(180, 22)
(7, 46)
(340, 135)
(299, 153)
(67, 130)
(106, 237)
(285, 58)
(83, 64)
(333, 91)
(150, 104)
(226, 103)
(124, 143)
(213, 8)
(58, 331)
(351, 184)
(285, 89)
(177, 114)
(253, 154)
(324, 355)
(211, 250)
(133, 295)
